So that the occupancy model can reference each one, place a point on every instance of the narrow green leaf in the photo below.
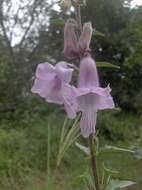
(106, 64)
(115, 148)
(109, 170)
(115, 184)
(83, 148)
(98, 33)
(68, 136)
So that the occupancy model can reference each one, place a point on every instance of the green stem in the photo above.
(77, 7)
(48, 154)
(78, 17)
(93, 163)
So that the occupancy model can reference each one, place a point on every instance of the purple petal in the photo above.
(49, 89)
(97, 90)
(70, 109)
(99, 98)
(104, 103)
(88, 76)
(45, 71)
(103, 98)
(102, 91)
(55, 94)
(70, 102)
(88, 123)
(42, 87)
(64, 72)
(86, 102)
(55, 98)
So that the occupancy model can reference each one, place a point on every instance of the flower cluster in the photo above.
(53, 82)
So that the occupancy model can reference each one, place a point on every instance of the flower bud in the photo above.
(70, 40)
(85, 38)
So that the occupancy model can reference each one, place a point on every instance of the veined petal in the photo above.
(101, 91)
(70, 109)
(45, 71)
(69, 100)
(99, 98)
(55, 98)
(42, 87)
(55, 94)
(103, 98)
(104, 102)
(88, 123)
(97, 90)
(86, 102)
(64, 72)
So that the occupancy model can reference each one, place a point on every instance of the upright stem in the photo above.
(93, 162)
(78, 17)
(93, 158)
(48, 155)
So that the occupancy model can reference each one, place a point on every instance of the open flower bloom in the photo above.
(52, 83)
(90, 96)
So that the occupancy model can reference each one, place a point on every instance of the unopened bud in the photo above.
(85, 38)
(70, 39)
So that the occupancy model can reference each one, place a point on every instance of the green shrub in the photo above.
(117, 125)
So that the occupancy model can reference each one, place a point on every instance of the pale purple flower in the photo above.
(52, 83)
(90, 96)
(70, 40)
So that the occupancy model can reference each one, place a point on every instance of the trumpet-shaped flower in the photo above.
(90, 96)
(52, 83)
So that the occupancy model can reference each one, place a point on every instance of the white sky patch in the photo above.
(14, 31)
(18, 33)
(56, 7)
(136, 3)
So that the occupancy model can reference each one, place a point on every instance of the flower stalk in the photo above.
(93, 162)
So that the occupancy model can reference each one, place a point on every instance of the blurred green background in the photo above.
(31, 32)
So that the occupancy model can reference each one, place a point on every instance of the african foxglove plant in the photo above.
(53, 83)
